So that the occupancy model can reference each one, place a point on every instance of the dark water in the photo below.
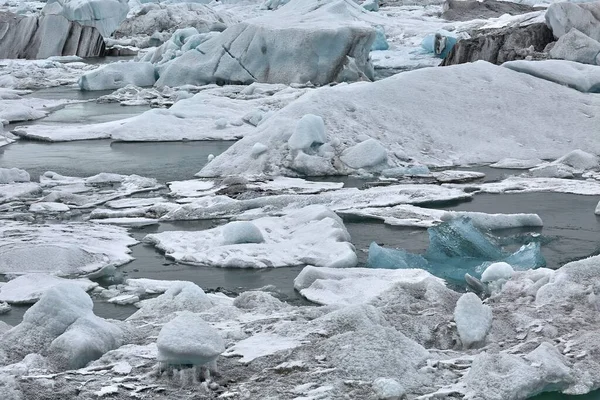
(164, 161)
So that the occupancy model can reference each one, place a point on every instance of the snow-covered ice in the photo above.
(63, 249)
(188, 339)
(29, 288)
(311, 235)
(352, 285)
(515, 106)
(473, 319)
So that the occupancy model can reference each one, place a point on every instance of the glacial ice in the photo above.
(63, 249)
(63, 326)
(388, 389)
(439, 43)
(119, 75)
(380, 257)
(27, 289)
(576, 46)
(585, 78)
(473, 319)
(456, 247)
(239, 232)
(352, 285)
(497, 271)
(12, 175)
(188, 339)
(179, 296)
(104, 15)
(310, 131)
(369, 153)
(564, 16)
(340, 41)
(310, 235)
(401, 103)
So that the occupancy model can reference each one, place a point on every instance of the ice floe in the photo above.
(312, 235)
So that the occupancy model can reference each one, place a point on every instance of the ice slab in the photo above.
(27, 289)
(63, 249)
(311, 235)
(401, 104)
(188, 339)
(352, 285)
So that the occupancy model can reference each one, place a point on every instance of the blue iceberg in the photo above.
(439, 43)
(456, 248)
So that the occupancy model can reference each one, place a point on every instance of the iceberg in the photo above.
(473, 320)
(119, 75)
(311, 235)
(456, 248)
(339, 39)
(188, 339)
(399, 106)
(104, 15)
(62, 326)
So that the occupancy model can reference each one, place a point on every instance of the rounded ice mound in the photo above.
(239, 232)
(119, 75)
(188, 339)
(388, 389)
(579, 159)
(182, 296)
(369, 153)
(66, 259)
(497, 271)
(12, 175)
(258, 300)
(310, 131)
(473, 319)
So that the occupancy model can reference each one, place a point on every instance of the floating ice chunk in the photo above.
(27, 289)
(353, 285)
(414, 170)
(64, 249)
(310, 131)
(85, 340)
(369, 153)
(582, 77)
(239, 232)
(17, 191)
(131, 222)
(12, 175)
(552, 170)
(311, 235)
(380, 257)
(515, 163)
(294, 185)
(257, 300)
(309, 165)
(371, 5)
(104, 15)
(579, 160)
(380, 42)
(107, 391)
(529, 256)
(576, 46)
(597, 210)
(181, 296)
(388, 389)
(188, 339)
(119, 75)
(473, 319)
(62, 325)
(47, 207)
(533, 185)
(439, 43)
(497, 271)
(457, 176)
(458, 238)
(124, 299)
